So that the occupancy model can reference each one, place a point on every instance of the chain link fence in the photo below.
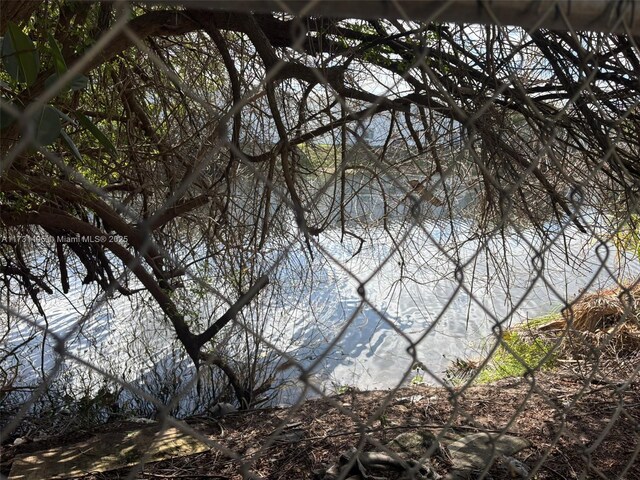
(332, 240)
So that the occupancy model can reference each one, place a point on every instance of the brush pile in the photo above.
(601, 327)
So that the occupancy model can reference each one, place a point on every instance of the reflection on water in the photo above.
(420, 298)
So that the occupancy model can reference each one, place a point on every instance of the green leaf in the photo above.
(65, 117)
(19, 55)
(51, 79)
(58, 60)
(47, 125)
(6, 117)
(95, 131)
(77, 83)
(72, 146)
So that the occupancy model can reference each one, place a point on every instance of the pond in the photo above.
(420, 291)
(371, 318)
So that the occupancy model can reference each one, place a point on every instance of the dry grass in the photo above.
(601, 327)
(603, 309)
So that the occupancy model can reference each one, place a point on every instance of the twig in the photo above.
(404, 427)
(173, 475)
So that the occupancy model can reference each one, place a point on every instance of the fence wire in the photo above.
(332, 240)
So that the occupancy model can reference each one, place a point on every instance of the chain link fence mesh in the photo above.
(328, 240)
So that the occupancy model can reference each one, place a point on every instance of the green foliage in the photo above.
(344, 389)
(79, 82)
(97, 134)
(418, 378)
(537, 322)
(58, 60)
(6, 116)
(21, 60)
(47, 125)
(19, 55)
(72, 146)
(520, 350)
(517, 354)
(627, 239)
(319, 156)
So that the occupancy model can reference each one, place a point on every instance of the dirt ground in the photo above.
(578, 428)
